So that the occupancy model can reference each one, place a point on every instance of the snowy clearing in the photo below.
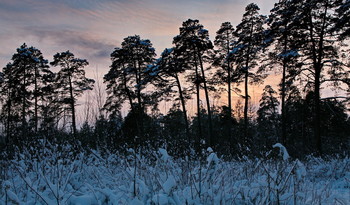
(60, 177)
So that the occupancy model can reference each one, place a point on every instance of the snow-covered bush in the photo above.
(59, 176)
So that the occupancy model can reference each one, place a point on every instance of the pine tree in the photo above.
(10, 112)
(268, 117)
(22, 65)
(128, 78)
(165, 76)
(321, 54)
(42, 77)
(50, 106)
(342, 24)
(191, 44)
(284, 38)
(250, 41)
(22, 82)
(71, 81)
(118, 80)
(225, 37)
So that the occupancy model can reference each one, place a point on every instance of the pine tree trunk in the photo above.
(283, 102)
(24, 104)
(229, 92)
(128, 91)
(283, 96)
(317, 114)
(317, 56)
(246, 103)
(72, 105)
(246, 79)
(183, 103)
(8, 130)
(36, 100)
(318, 71)
(210, 138)
(199, 133)
(139, 101)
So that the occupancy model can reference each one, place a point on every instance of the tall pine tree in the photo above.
(71, 81)
(166, 74)
(127, 78)
(321, 54)
(284, 36)
(224, 40)
(192, 43)
(245, 52)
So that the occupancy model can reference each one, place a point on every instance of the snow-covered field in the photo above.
(60, 177)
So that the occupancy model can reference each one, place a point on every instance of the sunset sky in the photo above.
(92, 28)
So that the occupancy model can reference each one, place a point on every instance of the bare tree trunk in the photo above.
(209, 139)
(246, 103)
(72, 105)
(317, 56)
(8, 127)
(36, 100)
(229, 91)
(183, 103)
(317, 115)
(24, 104)
(140, 109)
(199, 133)
(283, 96)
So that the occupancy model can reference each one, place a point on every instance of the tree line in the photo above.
(304, 41)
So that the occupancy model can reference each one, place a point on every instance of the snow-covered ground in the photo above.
(60, 177)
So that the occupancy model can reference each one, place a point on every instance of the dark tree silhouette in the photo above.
(166, 75)
(127, 77)
(284, 38)
(268, 117)
(71, 81)
(321, 54)
(23, 80)
(224, 40)
(250, 41)
(192, 42)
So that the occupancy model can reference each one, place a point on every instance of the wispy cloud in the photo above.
(93, 27)
(89, 45)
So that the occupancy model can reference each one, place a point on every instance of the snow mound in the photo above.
(283, 150)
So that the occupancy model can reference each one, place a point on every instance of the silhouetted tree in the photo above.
(342, 24)
(22, 83)
(321, 54)
(268, 117)
(192, 43)
(165, 76)
(284, 36)
(127, 78)
(224, 40)
(250, 41)
(118, 79)
(71, 80)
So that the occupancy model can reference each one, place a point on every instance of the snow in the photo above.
(169, 184)
(167, 51)
(12, 197)
(83, 200)
(108, 179)
(160, 199)
(136, 201)
(289, 53)
(283, 150)
(164, 154)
